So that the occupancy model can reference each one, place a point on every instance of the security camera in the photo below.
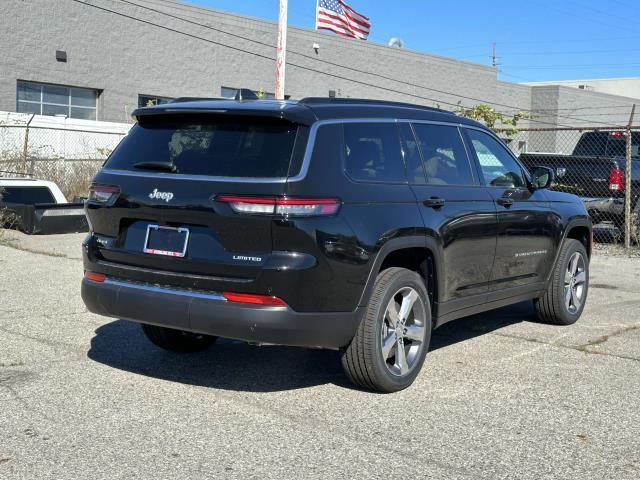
(316, 47)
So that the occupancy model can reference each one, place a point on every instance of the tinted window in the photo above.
(591, 144)
(498, 167)
(617, 144)
(411, 153)
(28, 195)
(221, 148)
(610, 144)
(372, 152)
(445, 160)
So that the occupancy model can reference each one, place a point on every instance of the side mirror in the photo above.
(541, 177)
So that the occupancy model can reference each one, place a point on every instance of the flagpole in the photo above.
(281, 50)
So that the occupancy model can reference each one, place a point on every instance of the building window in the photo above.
(45, 99)
(230, 93)
(151, 100)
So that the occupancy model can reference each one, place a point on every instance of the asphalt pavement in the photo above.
(500, 396)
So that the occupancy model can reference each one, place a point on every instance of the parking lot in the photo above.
(83, 396)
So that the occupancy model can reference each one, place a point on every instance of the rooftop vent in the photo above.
(396, 42)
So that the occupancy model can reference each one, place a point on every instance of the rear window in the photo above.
(608, 144)
(27, 195)
(214, 147)
(617, 145)
(591, 144)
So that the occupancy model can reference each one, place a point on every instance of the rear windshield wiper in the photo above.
(162, 166)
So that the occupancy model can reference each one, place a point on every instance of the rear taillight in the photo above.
(250, 298)
(291, 207)
(103, 193)
(616, 180)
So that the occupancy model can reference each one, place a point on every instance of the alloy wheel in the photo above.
(403, 331)
(575, 278)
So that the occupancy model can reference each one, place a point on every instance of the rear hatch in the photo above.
(164, 199)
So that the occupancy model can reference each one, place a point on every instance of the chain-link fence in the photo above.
(592, 164)
(67, 155)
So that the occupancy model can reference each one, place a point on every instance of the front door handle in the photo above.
(505, 202)
(434, 202)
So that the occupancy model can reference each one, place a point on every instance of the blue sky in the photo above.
(536, 39)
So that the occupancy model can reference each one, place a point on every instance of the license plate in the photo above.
(168, 241)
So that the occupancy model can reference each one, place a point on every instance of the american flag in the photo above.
(337, 16)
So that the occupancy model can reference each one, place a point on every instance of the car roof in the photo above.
(307, 110)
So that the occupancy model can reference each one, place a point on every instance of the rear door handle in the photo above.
(434, 202)
(505, 202)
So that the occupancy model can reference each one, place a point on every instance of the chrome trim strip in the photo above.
(167, 291)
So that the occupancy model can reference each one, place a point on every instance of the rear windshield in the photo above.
(609, 144)
(213, 147)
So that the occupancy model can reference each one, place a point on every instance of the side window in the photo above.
(498, 167)
(372, 152)
(445, 160)
(411, 153)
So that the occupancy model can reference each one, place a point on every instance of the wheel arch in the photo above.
(582, 233)
(414, 253)
(580, 229)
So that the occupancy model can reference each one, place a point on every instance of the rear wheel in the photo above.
(177, 340)
(391, 343)
(567, 292)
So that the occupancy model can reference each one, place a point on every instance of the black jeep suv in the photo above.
(354, 225)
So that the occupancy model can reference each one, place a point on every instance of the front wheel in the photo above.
(566, 295)
(177, 340)
(391, 343)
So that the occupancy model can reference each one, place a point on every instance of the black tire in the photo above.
(552, 308)
(177, 340)
(363, 360)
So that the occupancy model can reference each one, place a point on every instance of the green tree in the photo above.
(490, 117)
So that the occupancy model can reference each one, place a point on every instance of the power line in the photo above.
(554, 52)
(571, 67)
(350, 68)
(607, 14)
(310, 69)
(575, 15)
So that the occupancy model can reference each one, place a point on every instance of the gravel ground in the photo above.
(500, 396)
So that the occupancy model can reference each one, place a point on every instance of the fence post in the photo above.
(25, 146)
(628, 183)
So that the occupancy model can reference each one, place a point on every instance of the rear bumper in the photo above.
(605, 208)
(212, 314)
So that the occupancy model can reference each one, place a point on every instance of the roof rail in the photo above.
(366, 101)
(194, 99)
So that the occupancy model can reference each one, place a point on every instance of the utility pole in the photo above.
(281, 50)
(494, 57)
(628, 183)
